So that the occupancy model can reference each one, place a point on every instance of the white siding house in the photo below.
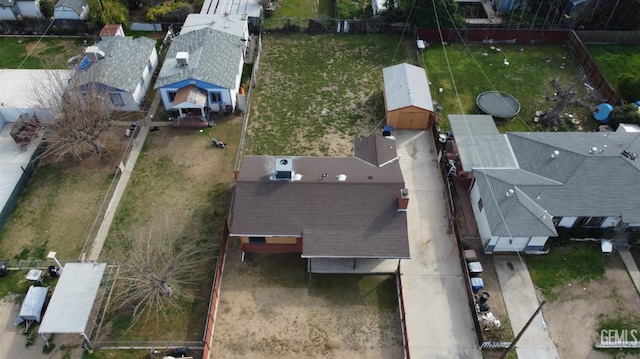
(525, 185)
(121, 66)
(71, 10)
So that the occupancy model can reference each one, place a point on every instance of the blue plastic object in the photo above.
(602, 112)
(476, 284)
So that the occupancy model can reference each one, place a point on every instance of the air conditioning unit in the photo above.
(284, 169)
(182, 58)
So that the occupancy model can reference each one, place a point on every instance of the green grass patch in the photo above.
(579, 262)
(28, 53)
(614, 60)
(14, 283)
(354, 9)
(478, 68)
(321, 90)
(298, 12)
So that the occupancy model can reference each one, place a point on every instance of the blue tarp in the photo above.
(602, 112)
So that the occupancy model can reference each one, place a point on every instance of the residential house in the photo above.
(407, 97)
(71, 10)
(379, 6)
(526, 185)
(121, 66)
(201, 75)
(331, 210)
(20, 9)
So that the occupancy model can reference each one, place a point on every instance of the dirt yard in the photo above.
(269, 309)
(574, 317)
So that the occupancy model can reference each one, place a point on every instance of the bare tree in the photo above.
(79, 114)
(157, 267)
(562, 97)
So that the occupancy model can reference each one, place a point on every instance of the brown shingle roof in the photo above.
(357, 217)
(376, 150)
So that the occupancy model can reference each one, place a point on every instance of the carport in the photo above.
(72, 300)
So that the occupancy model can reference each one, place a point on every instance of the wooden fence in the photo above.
(592, 70)
(609, 37)
(403, 315)
(494, 35)
(215, 293)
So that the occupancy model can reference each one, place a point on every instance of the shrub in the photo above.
(629, 87)
(170, 12)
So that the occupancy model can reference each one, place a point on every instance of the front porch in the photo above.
(194, 119)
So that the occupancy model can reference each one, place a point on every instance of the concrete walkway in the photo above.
(103, 231)
(438, 319)
(632, 267)
(521, 301)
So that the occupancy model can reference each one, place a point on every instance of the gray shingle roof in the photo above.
(76, 5)
(406, 85)
(515, 216)
(589, 177)
(214, 57)
(357, 217)
(376, 150)
(123, 64)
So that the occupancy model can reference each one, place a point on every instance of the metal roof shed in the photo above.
(407, 97)
(73, 299)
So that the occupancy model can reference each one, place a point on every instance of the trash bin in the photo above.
(387, 131)
(470, 255)
(476, 284)
(475, 269)
(483, 297)
(53, 271)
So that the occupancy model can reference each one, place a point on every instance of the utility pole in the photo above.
(513, 343)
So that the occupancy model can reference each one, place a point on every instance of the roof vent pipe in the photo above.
(341, 177)
(555, 154)
(510, 192)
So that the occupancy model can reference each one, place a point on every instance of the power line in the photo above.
(472, 139)
(37, 42)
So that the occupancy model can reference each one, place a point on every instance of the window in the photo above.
(257, 240)
(590, 221)
(480, 205)
(141, 82)
(172, 95)
(215, 97)
(116, 99)
(150, 66)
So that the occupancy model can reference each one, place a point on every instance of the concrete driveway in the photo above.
(439, 323)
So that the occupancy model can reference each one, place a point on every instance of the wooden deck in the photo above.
(194, 121)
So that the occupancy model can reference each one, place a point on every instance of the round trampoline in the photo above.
(498, 104)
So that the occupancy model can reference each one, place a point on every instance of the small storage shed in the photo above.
(407, 97)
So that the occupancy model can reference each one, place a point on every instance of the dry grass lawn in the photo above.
(60, 204)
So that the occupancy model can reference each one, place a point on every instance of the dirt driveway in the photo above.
(268, 309)
(574, 317)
